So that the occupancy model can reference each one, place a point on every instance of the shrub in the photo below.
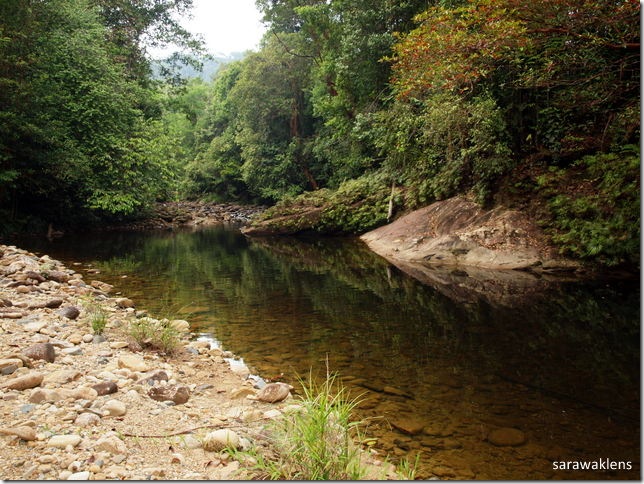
(153, 334)
(315, 442)
(595, 207)
(97, 315)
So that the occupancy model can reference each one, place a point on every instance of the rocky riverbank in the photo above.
(170, 215)
(76, 405)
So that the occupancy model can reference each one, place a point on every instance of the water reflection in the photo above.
(460, 355)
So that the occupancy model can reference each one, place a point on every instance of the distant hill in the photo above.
(210, 66)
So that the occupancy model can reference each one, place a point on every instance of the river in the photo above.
(448, 362)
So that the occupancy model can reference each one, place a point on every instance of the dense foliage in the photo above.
(356, 107)
(80, 128)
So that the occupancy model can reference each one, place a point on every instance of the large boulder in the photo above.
(458, 232)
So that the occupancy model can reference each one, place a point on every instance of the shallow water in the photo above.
(463, 354)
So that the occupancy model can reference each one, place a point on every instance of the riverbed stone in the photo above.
(23, 432)
(62, 441)
(132, 362)
(178, 394)
(69, 312)
(115, 408)
(41, 395)
(87, 419)
(35, 326)
(105, 388)
(79, 476)
(220, 439)
(507, 437)
(30, 380)
(110, 443)
(60, 377)
(409, 425)
(274, 392)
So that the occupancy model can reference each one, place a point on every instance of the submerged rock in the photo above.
(507, 437)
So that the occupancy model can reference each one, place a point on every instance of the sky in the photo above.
(226, 25)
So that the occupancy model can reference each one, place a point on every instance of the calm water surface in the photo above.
(461, 355)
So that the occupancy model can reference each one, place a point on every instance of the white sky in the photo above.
(226, 25)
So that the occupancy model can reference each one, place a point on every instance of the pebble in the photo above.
(69, 312)
(41, 351)
(115, 408)
(105, 388)
(112, 444)
(62, 441)
(274, 392)
(75, 351)
(220, 439)
(41, 395)
(79, 476)
(75, 339)
(30, 380)
(177, 394)
(132, 362)
(87, 419)
(35, 326)
(23, 432)
(88, 338)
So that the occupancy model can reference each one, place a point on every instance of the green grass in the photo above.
(315, 442)
(155, 334)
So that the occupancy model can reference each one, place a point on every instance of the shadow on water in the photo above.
(439, 365)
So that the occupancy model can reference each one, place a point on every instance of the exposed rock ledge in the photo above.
(458, 232)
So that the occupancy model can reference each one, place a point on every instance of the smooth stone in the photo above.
(79, 476)
(14, 363)
(41, 351)
(35, 327)
(54, 303)
(178, 394)
(87, 419)
(102, 286)
(155, 376)
(60, 377)
(274, 392)
(98, 339)
(58, 276)
(220, 439)
(75, 338)
(117, 345)
(506, 437)
(409, 425)
(69, 312)
(45, 395)
(115, 408)
(272, 414)
(110, 443)
(88, 338)
(242, 392)
(124, 303)
(75, 351)
(105, 388)
(396, 391)
(84, 393)
(23, 431)
(62, 441)
(133, 363)
(30, 380)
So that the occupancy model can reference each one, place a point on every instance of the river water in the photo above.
(449, 360)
